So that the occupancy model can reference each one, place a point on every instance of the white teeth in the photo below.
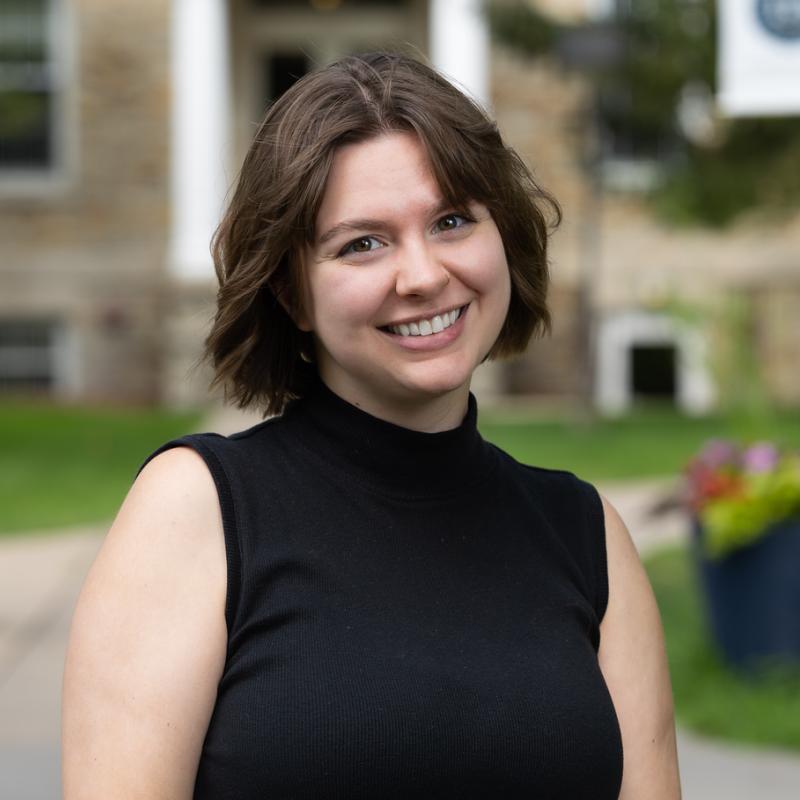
(425, 327)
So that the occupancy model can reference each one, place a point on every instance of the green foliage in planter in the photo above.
(730, 523)
(668, 47)
(739, 493)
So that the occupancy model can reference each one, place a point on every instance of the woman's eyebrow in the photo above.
(353, 225)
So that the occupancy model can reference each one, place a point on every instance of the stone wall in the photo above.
(537, 109)
(777, 323)
(90, 253)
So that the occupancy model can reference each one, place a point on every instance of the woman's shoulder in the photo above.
(176, 477)
(262, 436)
(553, 484)
(231, 440)
(171, 517)
(148, 638)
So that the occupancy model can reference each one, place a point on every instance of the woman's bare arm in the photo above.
(634, 664)
(148, 639)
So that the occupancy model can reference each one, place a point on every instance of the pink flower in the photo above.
(719, 453)
(760, 457)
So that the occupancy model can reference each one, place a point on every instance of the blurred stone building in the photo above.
(121, 127)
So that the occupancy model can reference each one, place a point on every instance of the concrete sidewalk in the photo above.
(40, 576)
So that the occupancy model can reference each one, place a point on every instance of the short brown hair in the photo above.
(258, 353)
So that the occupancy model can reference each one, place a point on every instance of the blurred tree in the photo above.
(656, 102)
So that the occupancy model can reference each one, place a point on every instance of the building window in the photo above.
(633, 151)
(29, 89)
(28, 355)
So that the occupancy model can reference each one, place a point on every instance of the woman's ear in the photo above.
(297, 315)
(302, 322)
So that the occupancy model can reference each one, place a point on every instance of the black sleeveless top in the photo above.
(409, 615)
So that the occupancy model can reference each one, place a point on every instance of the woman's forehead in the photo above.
(393, 169)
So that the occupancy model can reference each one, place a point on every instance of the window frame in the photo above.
(54, 359)
(57, 177)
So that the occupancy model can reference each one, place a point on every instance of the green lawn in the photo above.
(709, 697)
(66, 466)
(647, 443)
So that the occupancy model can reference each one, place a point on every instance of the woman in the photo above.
(360, 597)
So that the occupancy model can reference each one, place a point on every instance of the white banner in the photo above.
(759, 57)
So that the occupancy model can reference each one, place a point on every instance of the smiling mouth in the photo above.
(426, 326)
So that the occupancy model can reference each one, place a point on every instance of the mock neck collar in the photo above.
(390, 458)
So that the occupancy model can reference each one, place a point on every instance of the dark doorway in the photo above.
(653, 371)
(281, 70)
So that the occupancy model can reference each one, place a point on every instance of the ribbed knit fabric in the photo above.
(409, 615)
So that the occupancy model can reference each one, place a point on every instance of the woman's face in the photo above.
(404, 295)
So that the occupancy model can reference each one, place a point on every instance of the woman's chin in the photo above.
(438, 383)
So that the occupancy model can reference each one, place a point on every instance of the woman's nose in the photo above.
(420, 272)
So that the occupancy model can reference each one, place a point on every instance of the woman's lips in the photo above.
(431, 341)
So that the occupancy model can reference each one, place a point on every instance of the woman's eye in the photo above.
(364, 244)
(452, 221)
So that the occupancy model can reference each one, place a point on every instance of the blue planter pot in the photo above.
(753, 597)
